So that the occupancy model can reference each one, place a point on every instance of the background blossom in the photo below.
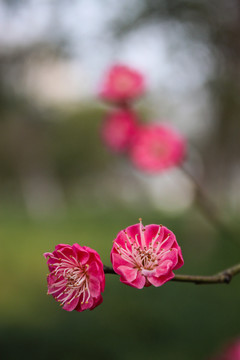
(122, 83)
(157, 147)
(119, 130)
(231, 352)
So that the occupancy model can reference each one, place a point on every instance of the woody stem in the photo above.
(223, 277)
(208, 208)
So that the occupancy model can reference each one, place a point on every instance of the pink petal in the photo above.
(85, 306)
(168, 239)
(64, 248)
(127, 273)
(117, 261)
(134, 230)
(47, 255)
(158, 281)
(121, 239)
(80, 253)
(93, 269)
(94, 286)
(139, 282)
(96, 302)
(163, 268)
(72, 305)
(92, 253)
(171, 255)
(180, 259)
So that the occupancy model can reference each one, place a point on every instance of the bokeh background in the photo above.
(58, 184)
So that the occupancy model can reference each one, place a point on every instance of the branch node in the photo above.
(227, 277)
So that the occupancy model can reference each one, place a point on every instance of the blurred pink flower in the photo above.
(145, 256)
(121, 84)
(119, 129)
(231, 352)
(76, 277)
(157, 147)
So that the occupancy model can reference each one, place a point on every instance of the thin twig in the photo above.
(208, 208)
(223, 277)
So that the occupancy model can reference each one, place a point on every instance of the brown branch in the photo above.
(205, 204)
(208, 208)
(223, 277)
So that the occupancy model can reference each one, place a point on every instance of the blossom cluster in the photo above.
(151, 147)
(142, 256)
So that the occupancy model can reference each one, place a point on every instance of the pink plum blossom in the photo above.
(145, 256)
(121, 84)
(119, 129)
(231, 352)
(76, 277)
(156, 148)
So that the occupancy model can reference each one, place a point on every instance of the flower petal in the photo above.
(94, 287)
(81, 254)
(117, 261)
(127, 273)
(70, 306)
(180, 259)
(139, 282)
(96, 302)
(134, 231)
(158, 281)
(163, 268)
(170, 255)
(168, 239)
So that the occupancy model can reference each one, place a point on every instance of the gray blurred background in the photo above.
(59, 184)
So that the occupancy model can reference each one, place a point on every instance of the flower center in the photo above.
(72, 280)
(74, 277)
(145, 258)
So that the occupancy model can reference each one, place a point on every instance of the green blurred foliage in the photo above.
(65, 142)
(75, 143)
